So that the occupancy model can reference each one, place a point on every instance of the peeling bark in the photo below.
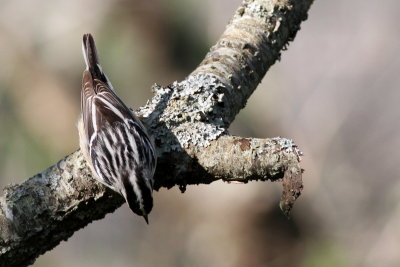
(189, 121)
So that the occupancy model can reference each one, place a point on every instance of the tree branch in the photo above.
(189, 122)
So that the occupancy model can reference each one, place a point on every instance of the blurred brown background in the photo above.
(335, 92)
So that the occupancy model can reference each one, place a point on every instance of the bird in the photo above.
(113, 140)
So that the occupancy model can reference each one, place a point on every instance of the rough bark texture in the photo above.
(189, 122)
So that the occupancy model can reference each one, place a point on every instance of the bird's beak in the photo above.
(146, 218)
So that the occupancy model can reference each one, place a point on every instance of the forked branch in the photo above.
(189, 121)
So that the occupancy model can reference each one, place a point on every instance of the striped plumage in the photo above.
(113, 140)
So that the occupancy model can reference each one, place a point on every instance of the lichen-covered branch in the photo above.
(250, 45)
(236, 159)
(49, 207)
(189, 122)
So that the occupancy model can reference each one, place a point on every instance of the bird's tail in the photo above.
(90, 52)
(92, 60)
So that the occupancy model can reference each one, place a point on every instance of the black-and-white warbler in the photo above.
(114, 142)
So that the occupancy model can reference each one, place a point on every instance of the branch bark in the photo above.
(189, 121)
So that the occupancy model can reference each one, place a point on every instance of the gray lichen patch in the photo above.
(263, 9)
(191, 110)
(287, 145)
